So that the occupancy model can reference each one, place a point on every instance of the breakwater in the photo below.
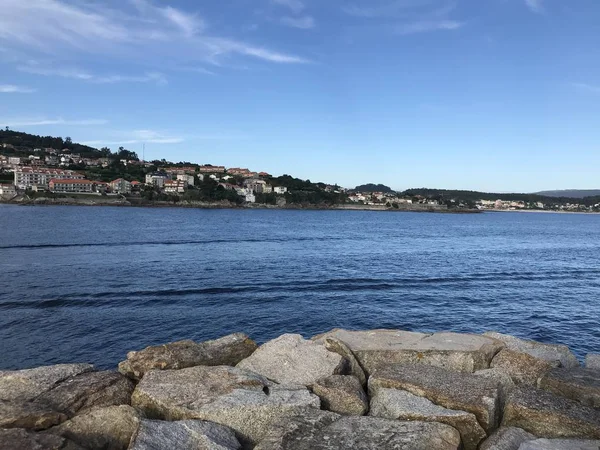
(379, 389)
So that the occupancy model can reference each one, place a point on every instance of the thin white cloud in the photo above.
(427, 26)
(587, 87)
(296, 6)
(387, 9)
(13, 89)
(537, 6)
(139, 137)
(78, 74)
(29, 122)
(304, 22)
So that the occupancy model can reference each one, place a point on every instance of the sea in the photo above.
(89, 284)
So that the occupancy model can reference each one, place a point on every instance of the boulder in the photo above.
(578, 384)
(547, 352)
(402, 405)
(354, 368)
(500, 377)
(506, 438)
(453, 390)
(109, 428)
(453, 351)
(560, 444)
(342, 394)
(183, 435)
(363, 433)
(592, 361)
(20, 439)
(547, 415)
(522, 367)
(226, 351)
(242, 400)
(28, 415)
(291, 359)
(28, 384)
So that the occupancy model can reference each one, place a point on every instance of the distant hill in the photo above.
(370, 187)
(571, 193)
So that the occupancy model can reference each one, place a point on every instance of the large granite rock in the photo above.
(183, 435)
(522, 367)
(547, 352)
(237, 398)
(506, 438)
(453, 351)
(28, 415)
(402, 405)
(362, 433)
(20, 439)
(578, 384)
(551, 416)
(342, 394)
(354, 368)
(28, 384)
(453, 390)
(560, 444)
(291, 359)
(499, 376)
(226, 351)
(592, 361)
(109, 428)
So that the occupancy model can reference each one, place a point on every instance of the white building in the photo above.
(71, 186)
(157, 179)
(175, 187)
(14, 160)
(29, 177)
(7, 190)
(258, 186)
(120, 186)
(280, 190)
(188, 179)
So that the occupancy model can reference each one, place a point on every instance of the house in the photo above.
(264, 174)
(280, 190)
(101, 186)
(29, 177)
(175, 187)
(188, 170)
(157, 179)
(240, 172)
(258, 186)
(71, 186)
(14, 160)
(188, 179)
(135, 185)
(120, 186)
(7, 191)
(250, 198)
(211, 169)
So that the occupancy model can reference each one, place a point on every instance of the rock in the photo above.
(500, 377)
(226, 351)
(109, 428)
(560, 444)
(87, 390)
(354, 368)
(342, 394)
(183, 435)
(453, 351)
(548, 415)
(506, 438)
(522, 367)
(365, 433)
(592, 361)
(20, 439)
(28, 415)
(453, 390)
(578, 384)
(402, 405)
(237, 398)
(547, 352)
(24, 385)
(291, 359)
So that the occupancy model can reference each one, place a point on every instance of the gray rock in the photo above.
(342, 394)
(402, 405)
(548, 352)
(366, 433)
(453, 351)
(500, 377)
(109, 428)
(24, 385)
(592, 361)
(28, 415)
(354, 368)
(560, 444)
(226, 351)
(547, 415)
(183, 435)
(522, 367)
(20, 439)
(453, 390)
(237, 398)
(578, 384)
(291, 359)
(506, 438)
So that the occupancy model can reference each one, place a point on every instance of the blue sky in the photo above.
(496, 95)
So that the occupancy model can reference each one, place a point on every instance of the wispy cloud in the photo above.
(138, 137)
(388, 9)
(304, 22)
(33, 122)
(428, 25)
(297, 6)
(587, 87)
(537, 6)
(13, 89)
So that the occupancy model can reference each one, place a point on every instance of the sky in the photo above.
(492, 95)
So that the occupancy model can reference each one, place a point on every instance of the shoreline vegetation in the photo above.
(376, 389)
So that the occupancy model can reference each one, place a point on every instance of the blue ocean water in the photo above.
(84, 284)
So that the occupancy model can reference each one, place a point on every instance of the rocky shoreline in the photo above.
(378, 389)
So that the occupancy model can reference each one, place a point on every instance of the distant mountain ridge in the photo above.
(571, 193)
